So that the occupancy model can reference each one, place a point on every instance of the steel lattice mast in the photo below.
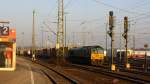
(60, 30)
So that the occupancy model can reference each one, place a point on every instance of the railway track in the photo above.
(53, 75)
(121, 75)
(49, 77)
(132, 70)
(140, 68)
(135, 71)
(57, 77)
(101, 70)
(81, 75)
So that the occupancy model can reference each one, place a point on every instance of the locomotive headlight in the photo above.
(29, 52)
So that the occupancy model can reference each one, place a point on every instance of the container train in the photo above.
(90, 55)
(40, 53)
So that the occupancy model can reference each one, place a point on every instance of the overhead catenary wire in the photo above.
(139, 17)
(136, 17)
(120, 9)
(139, 4)
(68, 4)
(49, 28)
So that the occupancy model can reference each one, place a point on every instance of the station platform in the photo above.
(26, 73)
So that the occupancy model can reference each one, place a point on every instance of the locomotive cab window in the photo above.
(94, 51)
(97, 50)
(100, 50)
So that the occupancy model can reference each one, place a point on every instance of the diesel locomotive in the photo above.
(89, 55)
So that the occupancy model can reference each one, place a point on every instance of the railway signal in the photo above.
(125, 35)
(111, 34)
(111, 23)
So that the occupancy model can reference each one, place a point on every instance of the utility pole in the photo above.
(106, 36)
(50, 40)
(65, 31)
(46, 39)
(106, 57)
(83, 38)
(42, 38)
(33, 37)
(74, 43)
(134, 42)
(111, 34)
(145, 64)
(60, 31)
(120, 57)
(22, 40)
(134, 38)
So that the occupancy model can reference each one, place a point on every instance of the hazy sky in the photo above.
(82, 16)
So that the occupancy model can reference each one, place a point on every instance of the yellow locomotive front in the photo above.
(97, 56)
